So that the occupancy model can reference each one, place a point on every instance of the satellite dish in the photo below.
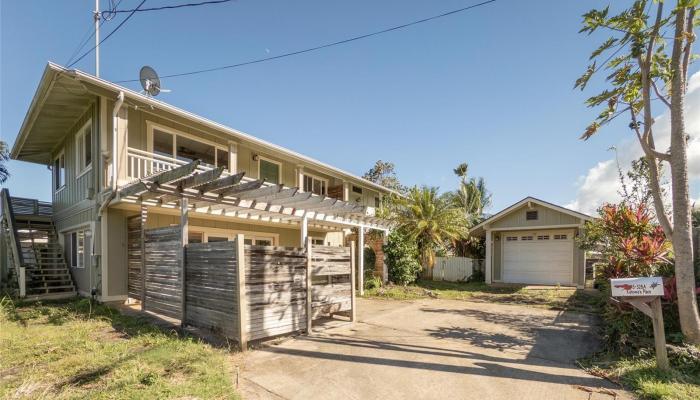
(150, 81)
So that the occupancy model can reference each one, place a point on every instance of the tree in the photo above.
(639, 70)
(4, 157)
(383, 173)
(430, 220)
(401, 255)
(471, 196)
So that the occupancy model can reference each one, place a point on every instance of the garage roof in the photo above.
(478, 230)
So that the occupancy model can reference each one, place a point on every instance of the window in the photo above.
(189, 150)
(377, 202)
(560, 237)
(526, 237)
(531, 215)
(356, 189)
(269, 170)
(543, 237)
(511, 238)
(59, 172)
(76, 244)
(212, 239)
(315, 185)
(163, 143)
(258, 242)
(222, 159)
(83, 149)
(317, 241)
(195, 237)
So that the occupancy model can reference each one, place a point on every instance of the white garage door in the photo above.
(538, 257)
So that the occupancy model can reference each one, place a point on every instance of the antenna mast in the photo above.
(97, 38)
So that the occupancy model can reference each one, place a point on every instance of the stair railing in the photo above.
(15, 245)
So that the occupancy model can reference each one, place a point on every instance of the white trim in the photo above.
(488, 263)
(230, 234)
(52, 69)
(80, 149)
(54, 174)
(535, 227)
(279, 164)
(312, 176)
(120, 297)
(150, 126)
(528, 200)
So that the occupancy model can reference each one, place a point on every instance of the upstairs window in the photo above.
(186, 148)
(356, 189)
(83, 149)
(269, 170)
(189, 150)
(531, 215)
(59, 171)
(315, 185)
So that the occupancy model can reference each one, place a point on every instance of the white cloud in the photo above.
(601, 182)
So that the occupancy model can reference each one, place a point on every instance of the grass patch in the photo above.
(562, 298)
(639, 374)
(78, 349)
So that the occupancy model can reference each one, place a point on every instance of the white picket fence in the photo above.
(454, 269)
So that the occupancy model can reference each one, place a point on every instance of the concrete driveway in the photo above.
(432, 349)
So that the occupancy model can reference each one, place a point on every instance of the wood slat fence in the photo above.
(228, 285)
(453, 269)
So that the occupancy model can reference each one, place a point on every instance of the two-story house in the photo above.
(98, 138)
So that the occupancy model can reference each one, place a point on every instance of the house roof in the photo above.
(63, 95)
(529, 199)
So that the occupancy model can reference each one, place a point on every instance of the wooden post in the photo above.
(144, 218)
(22, 282)
(309, 289)
(241, 293)
(353, 313)
(659, 334)
(184, 230)
(361, 258)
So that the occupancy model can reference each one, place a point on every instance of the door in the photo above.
(538, 257)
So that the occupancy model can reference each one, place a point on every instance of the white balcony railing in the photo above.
(141, 164)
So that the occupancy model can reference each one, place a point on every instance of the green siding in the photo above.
(546, 217)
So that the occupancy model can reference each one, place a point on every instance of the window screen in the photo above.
(269, 171)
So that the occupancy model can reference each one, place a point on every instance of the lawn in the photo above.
(639, 374)
(78, 349)
(560, 298)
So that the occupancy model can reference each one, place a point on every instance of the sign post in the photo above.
(644, 294)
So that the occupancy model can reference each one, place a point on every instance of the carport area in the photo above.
(432, 349)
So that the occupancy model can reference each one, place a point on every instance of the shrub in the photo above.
(477, 276)
(373, 282)
(370, 258)
(401, 257)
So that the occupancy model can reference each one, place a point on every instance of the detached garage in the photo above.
(533, 242)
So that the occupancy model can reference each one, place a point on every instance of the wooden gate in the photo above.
(332, 286)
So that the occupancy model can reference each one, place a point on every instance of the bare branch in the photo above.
(654, 32)
(659, 94)
(644, 138)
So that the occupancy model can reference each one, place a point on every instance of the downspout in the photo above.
(113, 193)
(115, 167)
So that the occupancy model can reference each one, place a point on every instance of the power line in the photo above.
(308, 50)
(108, 36)
(203, 3)
(91, 31)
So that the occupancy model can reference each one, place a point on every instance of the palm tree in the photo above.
(4, 157)
(429, 219)
(471, 196)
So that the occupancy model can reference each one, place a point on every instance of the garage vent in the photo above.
(559, 237)
(511, 238)
(543, 237)
(531, 215)
(526, 238)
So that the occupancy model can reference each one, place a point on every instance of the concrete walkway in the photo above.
(432, 349)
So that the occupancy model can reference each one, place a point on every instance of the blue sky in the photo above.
(491, 86)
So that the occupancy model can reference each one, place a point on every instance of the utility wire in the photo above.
(108, 35)
(294, 53)
(91, 32)
(203, 3)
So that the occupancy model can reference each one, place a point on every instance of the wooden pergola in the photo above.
(211, 191)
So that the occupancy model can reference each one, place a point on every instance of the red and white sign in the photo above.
(647, 286)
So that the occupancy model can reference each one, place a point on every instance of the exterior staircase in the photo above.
(37, 251)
